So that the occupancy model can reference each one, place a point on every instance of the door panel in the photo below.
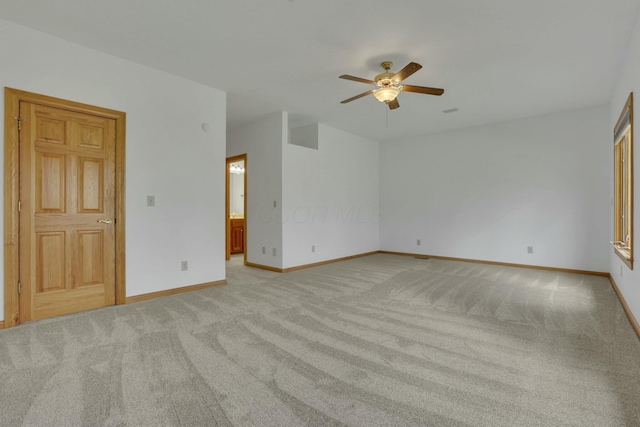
(67, 185)
(50, 130)
(50, 183)
(50, 262)
(91, 187)
(90, 259)
(237, 236)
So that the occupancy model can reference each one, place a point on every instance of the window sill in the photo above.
(624, 255)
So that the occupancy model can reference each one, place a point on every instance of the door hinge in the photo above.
(20, 120)
(19, 205)
(19, 288)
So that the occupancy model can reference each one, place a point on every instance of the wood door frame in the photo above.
(12, 99)
(227, 204)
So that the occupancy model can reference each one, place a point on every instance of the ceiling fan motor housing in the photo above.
(384, 79)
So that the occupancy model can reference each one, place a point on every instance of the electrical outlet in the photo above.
(273, 251)
(151, 200)
(418, 242)
(264, 250)
(185, 265)
(313, 248)
(529, 249)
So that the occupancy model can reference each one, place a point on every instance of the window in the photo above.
(623, 185)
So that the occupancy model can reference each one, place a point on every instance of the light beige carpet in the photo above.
(377, 341)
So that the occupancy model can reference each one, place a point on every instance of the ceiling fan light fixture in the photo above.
(236, 169)
(386, 93)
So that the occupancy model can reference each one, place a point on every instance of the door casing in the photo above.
(13, 97)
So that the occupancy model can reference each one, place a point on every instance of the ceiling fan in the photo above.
(389, 85)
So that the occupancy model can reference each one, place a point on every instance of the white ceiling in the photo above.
(497, 60)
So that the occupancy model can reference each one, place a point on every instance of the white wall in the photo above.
(627, 280)
(489, 192)
(168, 154)
(327, 198)
(262, 142)
(330, 198)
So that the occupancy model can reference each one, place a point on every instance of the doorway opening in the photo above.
(236, 206)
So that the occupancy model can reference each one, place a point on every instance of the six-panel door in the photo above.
(67, 195)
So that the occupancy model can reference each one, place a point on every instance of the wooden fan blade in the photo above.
(411, 68)
(369, 92)
(357, 79)
(393, 104)
(423, 89)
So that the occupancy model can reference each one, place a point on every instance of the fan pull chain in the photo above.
(386, 110)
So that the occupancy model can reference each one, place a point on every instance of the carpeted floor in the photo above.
(377, 341)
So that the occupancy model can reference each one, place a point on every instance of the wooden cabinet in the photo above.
(237, 235)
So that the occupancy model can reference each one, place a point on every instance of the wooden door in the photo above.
(67, 211)
(237, 236)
